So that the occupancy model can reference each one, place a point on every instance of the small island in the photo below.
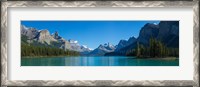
(155, 49)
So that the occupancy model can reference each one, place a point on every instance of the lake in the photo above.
(97, 61)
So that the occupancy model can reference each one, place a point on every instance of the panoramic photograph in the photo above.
(99, 43)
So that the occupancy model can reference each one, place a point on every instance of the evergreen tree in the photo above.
(31, 50)
(138, 50)
(156, 49)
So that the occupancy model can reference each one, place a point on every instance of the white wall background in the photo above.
(182, 72)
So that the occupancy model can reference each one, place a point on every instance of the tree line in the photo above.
(38, 49)
(155, 49)
(31, 50)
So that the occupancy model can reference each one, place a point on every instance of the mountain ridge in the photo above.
(44, 37)
(166, 31)
(102, 49)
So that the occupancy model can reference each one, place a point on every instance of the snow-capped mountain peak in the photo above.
(44, 36)
(73, 41)
(84, 46)
(102, 49)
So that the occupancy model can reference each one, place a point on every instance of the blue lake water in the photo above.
(97, 61)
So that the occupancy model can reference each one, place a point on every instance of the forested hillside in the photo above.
(154, 40)
(39, 49)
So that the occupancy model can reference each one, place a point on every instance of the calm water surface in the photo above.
(97, 61)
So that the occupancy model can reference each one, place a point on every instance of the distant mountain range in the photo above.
(124, 43)
(43, 37)
(165, 31)
(102, 49)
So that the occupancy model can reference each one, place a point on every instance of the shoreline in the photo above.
(45, 56)
(156, 58)
(130, 57)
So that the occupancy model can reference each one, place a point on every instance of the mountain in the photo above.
(124, 43)
(166, 31)
(147, 31)
(102, 49)
(31, 33)
(43, 37)
(169, 33)
(77, 47)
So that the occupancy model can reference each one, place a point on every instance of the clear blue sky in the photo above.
(91, 33)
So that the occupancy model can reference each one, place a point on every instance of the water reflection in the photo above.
(97, 61)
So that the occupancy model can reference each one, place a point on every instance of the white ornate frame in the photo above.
(4, 51)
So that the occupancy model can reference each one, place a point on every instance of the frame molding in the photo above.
(4, 51)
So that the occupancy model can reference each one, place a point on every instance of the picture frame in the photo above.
(14, 4)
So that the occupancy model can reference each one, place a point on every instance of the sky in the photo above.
(91, 33)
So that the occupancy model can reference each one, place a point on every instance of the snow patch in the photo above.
(75, 41)
(155, 23)
(90, 49)
(24, 27)
(84, 46)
